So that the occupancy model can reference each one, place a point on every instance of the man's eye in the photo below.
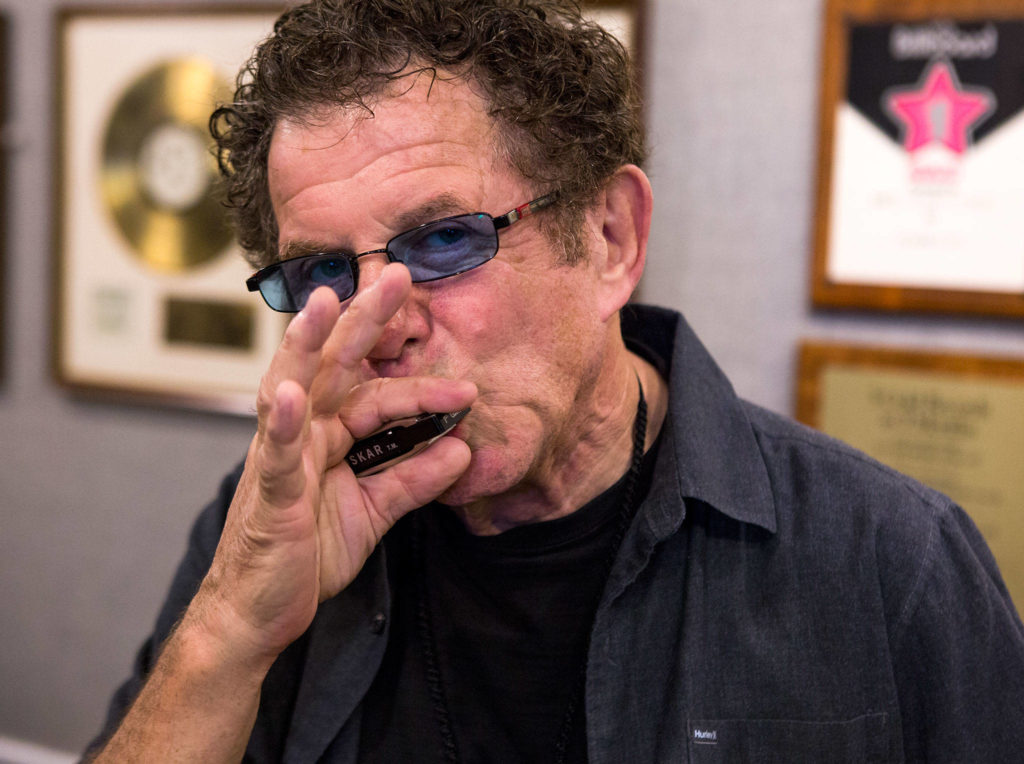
(443, 237)
(325, 271)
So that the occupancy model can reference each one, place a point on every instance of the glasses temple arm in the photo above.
(523, 210)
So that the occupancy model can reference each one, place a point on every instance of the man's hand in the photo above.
(301, 525)
(299, 529)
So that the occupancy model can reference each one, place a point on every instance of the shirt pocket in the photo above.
(863, 739)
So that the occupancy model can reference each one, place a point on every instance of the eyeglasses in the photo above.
(432, 251)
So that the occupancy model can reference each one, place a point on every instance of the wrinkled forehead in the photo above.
(405, 107)
(423, 117)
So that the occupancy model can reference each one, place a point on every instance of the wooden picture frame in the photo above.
(953, 421)
(921, 135)
(626, 19)
(5, 145)
(135, 318)
(150, 302)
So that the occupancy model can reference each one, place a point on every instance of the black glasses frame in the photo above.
(254, 282)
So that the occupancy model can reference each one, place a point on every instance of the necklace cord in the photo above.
(625, 517)
(425, 624)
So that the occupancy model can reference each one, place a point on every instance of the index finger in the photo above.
(355, 334)
(299, 354)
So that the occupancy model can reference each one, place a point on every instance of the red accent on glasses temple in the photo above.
(524, 210)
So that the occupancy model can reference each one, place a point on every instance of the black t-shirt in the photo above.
(510, 616)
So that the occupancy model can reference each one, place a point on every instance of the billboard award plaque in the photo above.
(920, 149)
(151, 296)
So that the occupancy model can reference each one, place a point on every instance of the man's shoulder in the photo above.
(831, 496)
(839, 511)
(827, 464)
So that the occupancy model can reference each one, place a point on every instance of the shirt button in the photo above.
(378, 623)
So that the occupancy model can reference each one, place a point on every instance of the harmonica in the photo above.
(399, 440)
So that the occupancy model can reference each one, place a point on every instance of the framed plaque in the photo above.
(921, 142)
(4, 148)
(150, 296)
(954, 422)
(622, 18)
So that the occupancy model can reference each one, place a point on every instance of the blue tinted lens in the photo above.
(275, 291)
(288, 286)
(329, 271)
(446, 247)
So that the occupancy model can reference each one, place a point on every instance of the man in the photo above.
(611, 558)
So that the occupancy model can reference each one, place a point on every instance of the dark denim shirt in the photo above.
(779, 597)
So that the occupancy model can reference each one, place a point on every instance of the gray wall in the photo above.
(96, 499)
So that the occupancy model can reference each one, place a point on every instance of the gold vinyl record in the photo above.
(158, 173)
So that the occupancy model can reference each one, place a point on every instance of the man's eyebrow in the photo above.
(302, 247)
(441, 206)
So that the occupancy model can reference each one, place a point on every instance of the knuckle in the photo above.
(264, 398)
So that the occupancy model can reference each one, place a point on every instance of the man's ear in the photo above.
(626, 221)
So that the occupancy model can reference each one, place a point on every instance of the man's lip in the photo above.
(394, 367)
(403, 369)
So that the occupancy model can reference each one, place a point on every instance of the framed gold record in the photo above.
(157, 174)
(624, 19)
(150, 296)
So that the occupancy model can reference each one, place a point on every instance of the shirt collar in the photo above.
(710, 451)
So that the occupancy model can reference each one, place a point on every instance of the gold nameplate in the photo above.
(207, 323)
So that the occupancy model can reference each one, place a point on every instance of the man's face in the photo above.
(522, 327)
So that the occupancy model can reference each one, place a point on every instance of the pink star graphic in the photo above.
(940, 111)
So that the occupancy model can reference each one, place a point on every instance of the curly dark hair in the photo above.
(561, 90)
